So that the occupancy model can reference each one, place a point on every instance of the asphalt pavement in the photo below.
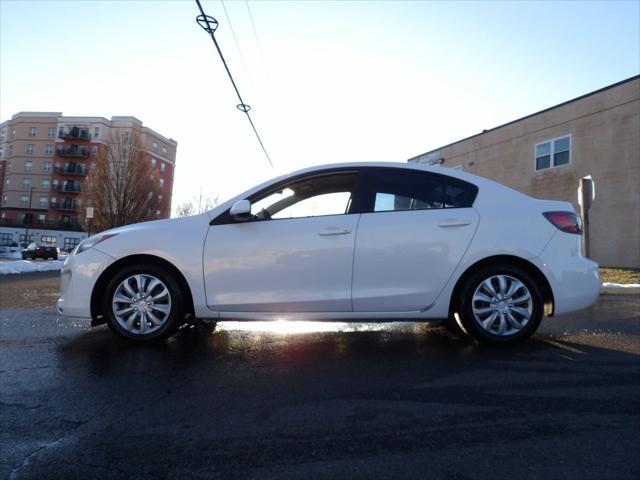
(337, 401)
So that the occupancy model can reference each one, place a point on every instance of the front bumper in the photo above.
(77, 279)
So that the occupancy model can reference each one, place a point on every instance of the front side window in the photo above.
(553, 153)
(411, 190)
(310, 197)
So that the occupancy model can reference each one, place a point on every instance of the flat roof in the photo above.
(636, 77)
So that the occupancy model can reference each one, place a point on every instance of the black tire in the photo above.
(175, 317)
(472, 325)
(55, 257)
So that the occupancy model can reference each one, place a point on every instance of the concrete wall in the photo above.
(605, 143)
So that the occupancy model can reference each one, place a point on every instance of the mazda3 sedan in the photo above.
(351, 242)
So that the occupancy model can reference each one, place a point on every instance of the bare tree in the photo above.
(198, 204)
(122, 186)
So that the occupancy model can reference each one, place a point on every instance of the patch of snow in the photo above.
(620, 285)
(11, 255)
(28, 266)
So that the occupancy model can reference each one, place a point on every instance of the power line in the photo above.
(253, 26)
(233, 33)
(210, 24)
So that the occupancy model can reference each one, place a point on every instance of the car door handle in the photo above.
(334, 231)
(453, 222)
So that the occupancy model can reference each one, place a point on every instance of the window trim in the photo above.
(552, 141)
(355, 209)
(370, 191)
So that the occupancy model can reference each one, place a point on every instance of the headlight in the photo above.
(91, 242)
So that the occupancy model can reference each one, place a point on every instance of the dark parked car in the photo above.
(40, 250)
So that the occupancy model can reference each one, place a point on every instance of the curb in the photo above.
(619, 291)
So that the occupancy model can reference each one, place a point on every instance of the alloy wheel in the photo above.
(141, 304)
(502, 305)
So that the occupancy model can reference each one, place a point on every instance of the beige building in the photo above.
(545, 154)
(45, 158)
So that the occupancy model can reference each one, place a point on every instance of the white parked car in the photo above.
(352, 242)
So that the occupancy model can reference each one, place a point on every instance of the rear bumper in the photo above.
(574, 279)
(77, 279)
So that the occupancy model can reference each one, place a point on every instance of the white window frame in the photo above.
(552, 141)
(51, 132)
(48, 149)
(31, 148)
(28, 166)
(33, 131)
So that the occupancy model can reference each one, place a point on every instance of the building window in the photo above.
(54, 201)
(96, 132)
(94, 150)
(159, 198)
(49, 239)
(46, 167)
(10, 149)
(161, 182)
(6, 238)
(8, 181)
(26, 183)
(162, 166)
(25, 239)
(32, 131)
(48, 150)
(70, 243)
(9, 165)
(44, 184)
(5, 199)
(24, 200)
(164, 151)
(41, 218)
(30, 148)
(51, 132)
(153, 162)
(154, 147)
(553, 153)
(28, 166)
(43, 201)
(158, 212)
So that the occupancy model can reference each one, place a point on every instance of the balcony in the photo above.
(67, 188)
(72, 170)
(74, 133)
(72, 224)
(73, 151)
(65, 206)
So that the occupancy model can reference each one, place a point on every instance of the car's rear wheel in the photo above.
(500, 304)
(144, 303)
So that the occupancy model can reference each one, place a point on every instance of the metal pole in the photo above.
(585, 201)
(26, 235)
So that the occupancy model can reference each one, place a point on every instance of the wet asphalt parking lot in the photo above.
(256, 400)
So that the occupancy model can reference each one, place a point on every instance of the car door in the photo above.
(416, 231)
(294, 255)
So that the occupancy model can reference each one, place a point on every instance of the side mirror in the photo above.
(241, 211)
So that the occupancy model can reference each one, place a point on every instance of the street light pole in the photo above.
(26, 236)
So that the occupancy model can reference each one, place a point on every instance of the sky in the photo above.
(327, 81)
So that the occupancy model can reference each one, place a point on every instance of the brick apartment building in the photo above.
(545, 154)
(44, 162)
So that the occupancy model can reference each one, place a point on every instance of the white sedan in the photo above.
(352, 242)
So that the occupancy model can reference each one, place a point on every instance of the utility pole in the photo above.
(26, 236)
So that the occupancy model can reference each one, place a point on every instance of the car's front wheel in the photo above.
(500, 304)
(143, 303)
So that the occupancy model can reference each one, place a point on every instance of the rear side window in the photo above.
(409, 190)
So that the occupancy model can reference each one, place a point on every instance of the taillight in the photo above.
(566, 221)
